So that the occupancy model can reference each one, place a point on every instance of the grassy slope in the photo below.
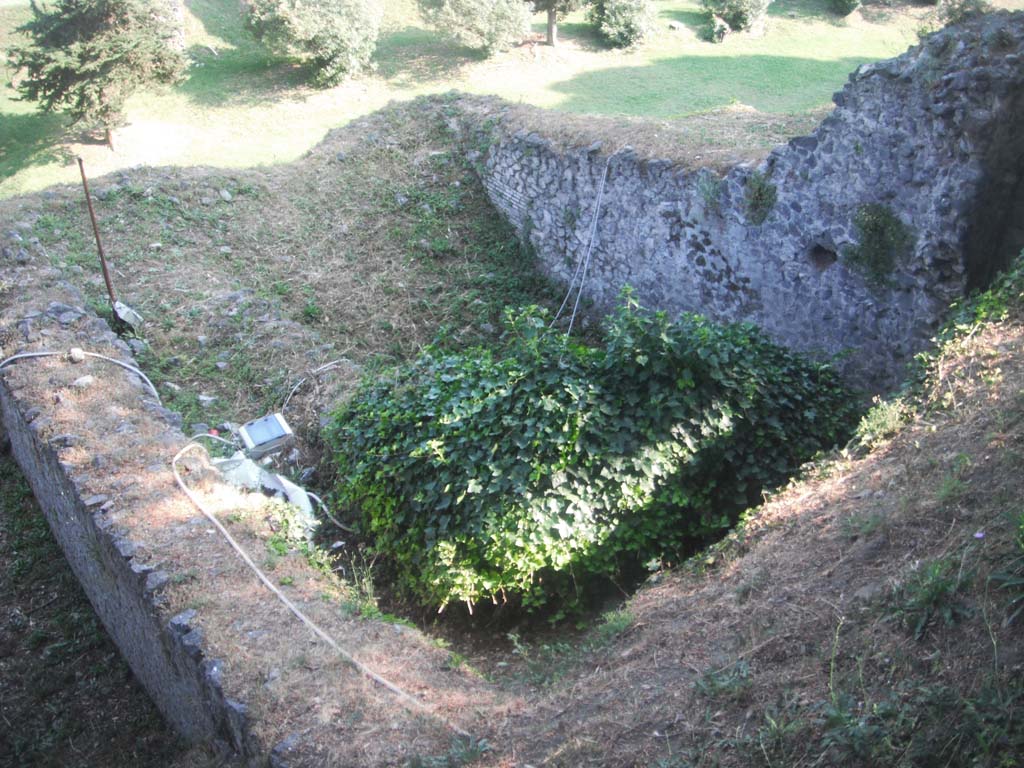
(797, 647)
(239, 108)
(863, 617)
(375, 244)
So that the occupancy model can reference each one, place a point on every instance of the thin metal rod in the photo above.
(96, 232)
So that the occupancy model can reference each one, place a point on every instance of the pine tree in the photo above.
(86, 57)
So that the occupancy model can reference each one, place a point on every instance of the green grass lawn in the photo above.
(239, 107)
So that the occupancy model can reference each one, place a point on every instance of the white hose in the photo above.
(409, 701)
(126, 366)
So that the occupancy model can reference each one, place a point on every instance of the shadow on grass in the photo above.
(222, 20)
(31, 139)
(582, 34)
(695, 21)
(413, 55)
(674, 87)
(243, 71)
(803, 9)
(239, 77)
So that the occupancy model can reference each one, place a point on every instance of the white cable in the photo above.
(409, 701)
(24, 355)
(126, 366)
(322, 369)
(327, 512)
(590, 244)
(584, 261)
(131, 368)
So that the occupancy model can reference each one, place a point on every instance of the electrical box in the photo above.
(266, 435)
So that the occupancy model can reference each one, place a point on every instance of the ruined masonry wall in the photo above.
(166, 656)
(929, 135)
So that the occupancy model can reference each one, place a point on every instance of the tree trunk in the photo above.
(552, 27)
(109, 133)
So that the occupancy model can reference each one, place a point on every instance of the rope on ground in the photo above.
(406, 699)
(316, 372)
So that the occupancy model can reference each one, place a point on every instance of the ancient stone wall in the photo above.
(166, 655)
(931, 139)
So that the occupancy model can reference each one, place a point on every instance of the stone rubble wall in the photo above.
(166, 654)
(934, 135)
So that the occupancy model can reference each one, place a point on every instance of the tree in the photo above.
(335, 37)
(622, 22)
(556, 9)
(488, 25)
(86, 57)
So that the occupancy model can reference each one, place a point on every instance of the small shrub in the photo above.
(486, 25)
(714, 30)
(844, 7)
(882, 241)
(527, 476)
(931, 594)
(738, 14)
(959, 11)
(760, 198)
(729, 682)
(884, 419)
(1011, 578)
(622, 22)
(335, 38)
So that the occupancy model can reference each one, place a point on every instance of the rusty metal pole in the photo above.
(96, 232)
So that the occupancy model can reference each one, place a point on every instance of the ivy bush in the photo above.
(622, 23)
(525, 476)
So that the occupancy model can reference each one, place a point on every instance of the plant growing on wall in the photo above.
(760, 197)
(882, 240)
(525, 476)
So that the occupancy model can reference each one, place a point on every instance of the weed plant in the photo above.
(760, 198)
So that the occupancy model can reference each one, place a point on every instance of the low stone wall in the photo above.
(931, 138)
(166, 656)
(227, 664)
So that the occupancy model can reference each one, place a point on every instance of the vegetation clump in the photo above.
(844, 7)
(525, 477)
(335, 38)
(760, 198)
(622, 23)
(882, 241)
(486, 25)
(740, 15)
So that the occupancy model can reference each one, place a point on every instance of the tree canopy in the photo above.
(334, 37)
(86, 57)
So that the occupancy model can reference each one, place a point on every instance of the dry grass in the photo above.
(718, 139)
(803, 597)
